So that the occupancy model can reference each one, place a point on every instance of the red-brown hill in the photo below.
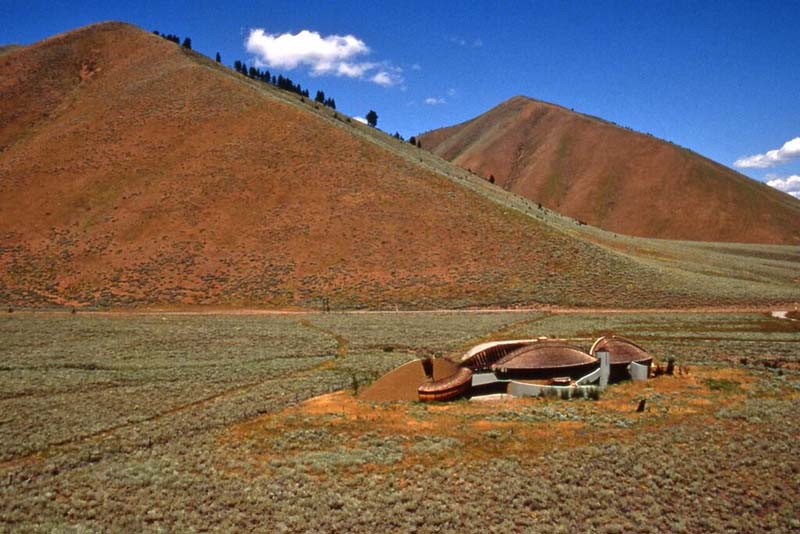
(615, 178)
(136, 172)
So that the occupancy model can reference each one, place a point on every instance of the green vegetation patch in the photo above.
(723, 385)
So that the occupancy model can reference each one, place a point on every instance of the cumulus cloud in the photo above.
(789, 185)
(432, 101)
(362, 120)
(789, 151)
(336, 55)
(305, 48)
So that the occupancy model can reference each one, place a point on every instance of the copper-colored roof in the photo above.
(446, 388)
(550, 354)
(481, 357)
(620, 350)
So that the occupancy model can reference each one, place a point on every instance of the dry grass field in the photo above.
(197, 422)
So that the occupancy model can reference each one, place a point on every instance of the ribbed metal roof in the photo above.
(483, 347)
(446, 388)
(620, 350)
(481, 357)
(547, 354)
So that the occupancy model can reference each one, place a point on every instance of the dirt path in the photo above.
(256, 311)
(342, 343)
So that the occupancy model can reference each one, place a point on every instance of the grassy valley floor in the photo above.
(170, 421)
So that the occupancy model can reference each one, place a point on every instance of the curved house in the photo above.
(500, 366)
(447, 388)
(621, 352)
(545, 359)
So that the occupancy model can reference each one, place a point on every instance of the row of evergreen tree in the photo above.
(320, 97)
(280, 82)
(187, 41)
(255, 73)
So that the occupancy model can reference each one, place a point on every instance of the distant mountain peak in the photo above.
(615, 178)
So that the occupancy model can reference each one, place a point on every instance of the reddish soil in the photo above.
(674, 400)
(615, 178)
(136, 173)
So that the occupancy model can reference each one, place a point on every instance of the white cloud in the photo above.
(304, 48)
(435, 101)
(416, 66)
(362, 120)
(789, 151)
(789, 185)
(353, 70)
(384, 78)
(336, 55)
(451, 92)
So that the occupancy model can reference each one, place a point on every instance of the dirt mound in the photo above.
(401, 384)
(615, 178)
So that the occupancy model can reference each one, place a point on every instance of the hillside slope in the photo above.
(615, 178)
(136, 173)
(7, 49)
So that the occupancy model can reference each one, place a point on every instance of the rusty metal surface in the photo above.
(621, 353)
(481, 357)
(447, 388)
(621, 350)
(549, 354)
(545, 359)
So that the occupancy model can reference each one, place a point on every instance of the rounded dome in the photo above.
(542, 357)
(620, 350)
(481, 357)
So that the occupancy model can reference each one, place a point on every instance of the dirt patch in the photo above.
(353, 435)
(401, 384)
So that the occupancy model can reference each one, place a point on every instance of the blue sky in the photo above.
(721, 78)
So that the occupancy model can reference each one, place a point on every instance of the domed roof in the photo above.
(547, 354)
(620, 350)
(484, 355)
